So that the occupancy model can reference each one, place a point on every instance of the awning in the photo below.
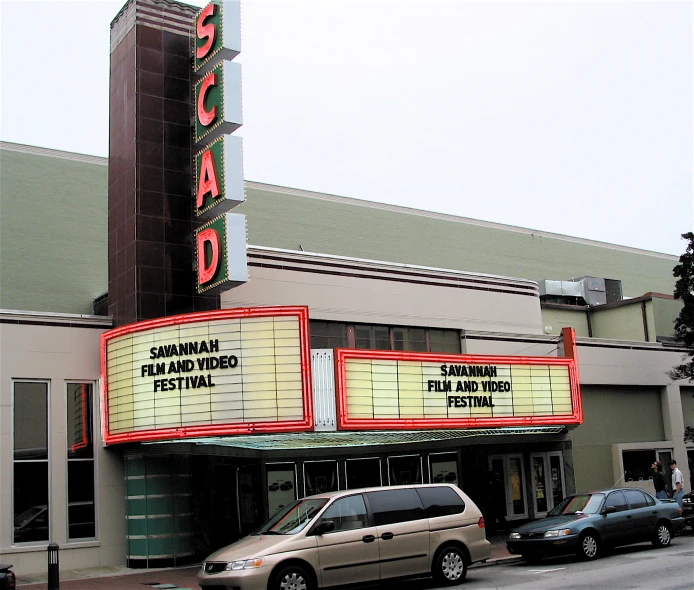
(316, 440)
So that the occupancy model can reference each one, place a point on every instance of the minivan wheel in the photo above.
(590, 547)
(663, 536)
(292, 577)
(450, 567)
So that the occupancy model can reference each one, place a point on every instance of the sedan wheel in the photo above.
(663, 536)
(590, 546)
(450, 567)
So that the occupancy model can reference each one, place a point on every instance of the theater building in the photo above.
(148, 420)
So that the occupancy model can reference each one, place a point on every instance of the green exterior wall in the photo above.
(665, 312)
(622, 323)
(285, 220)
(53, 233)
(603, 407)
(562, 318)
(688, 405)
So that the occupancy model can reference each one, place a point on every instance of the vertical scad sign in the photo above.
(220, 243)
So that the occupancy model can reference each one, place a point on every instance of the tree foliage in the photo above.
(684, 324)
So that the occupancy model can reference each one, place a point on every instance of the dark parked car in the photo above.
(587, 523)
(688, 508)
(7, 579)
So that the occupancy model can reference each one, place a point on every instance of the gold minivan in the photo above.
(355, 536)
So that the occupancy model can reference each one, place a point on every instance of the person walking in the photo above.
(659, 481)
(677, 483)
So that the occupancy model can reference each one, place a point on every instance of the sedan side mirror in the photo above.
(609, 509)
(326, 526)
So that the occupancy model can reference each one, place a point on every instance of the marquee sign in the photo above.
(218, 162)
(404, 390)
(232, 371)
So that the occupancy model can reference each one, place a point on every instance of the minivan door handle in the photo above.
(368, 538)
(387, 536)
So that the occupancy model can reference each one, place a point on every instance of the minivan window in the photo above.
(347, 513)
(393, 506)
(292, 518)
(440, 501)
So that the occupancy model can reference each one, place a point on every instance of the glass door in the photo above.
(548, 481)
(507, 473)
(556, 477)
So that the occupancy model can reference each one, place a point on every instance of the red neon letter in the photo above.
(203, 30)
(207, 271)
(208, 178)
(206, 117)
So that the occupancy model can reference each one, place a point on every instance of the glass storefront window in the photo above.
(281, 486)
(363, 473)
(404, 470)
(320, 477)
(443, 468)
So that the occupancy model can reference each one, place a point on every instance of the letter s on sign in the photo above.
(206, 31)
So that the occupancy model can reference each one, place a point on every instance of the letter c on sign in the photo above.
(206, 117)
(207, 271)
(203, 30)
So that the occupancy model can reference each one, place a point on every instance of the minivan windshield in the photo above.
(579, 504)
(292, 518)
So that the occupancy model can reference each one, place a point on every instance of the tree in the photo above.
(684, 324)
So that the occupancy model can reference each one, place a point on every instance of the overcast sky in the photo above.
(569, 117)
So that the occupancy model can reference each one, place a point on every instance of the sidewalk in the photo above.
(183, 578)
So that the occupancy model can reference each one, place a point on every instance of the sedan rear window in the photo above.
(579, 504)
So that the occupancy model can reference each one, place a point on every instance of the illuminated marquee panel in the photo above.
(402, 390)
(232, 371)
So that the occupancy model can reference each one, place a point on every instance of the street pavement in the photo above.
(518, 574)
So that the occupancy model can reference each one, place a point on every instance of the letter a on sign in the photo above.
(209, 182)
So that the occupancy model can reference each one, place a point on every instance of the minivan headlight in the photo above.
(245, 564)
(558, 533)
(514, 536)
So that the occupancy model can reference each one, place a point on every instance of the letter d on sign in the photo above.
(207, 271)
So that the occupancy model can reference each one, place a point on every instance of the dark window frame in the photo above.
(82, 452)
(42, 511)
(350, 338)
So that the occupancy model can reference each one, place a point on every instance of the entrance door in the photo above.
(548, 481)
(508, 469)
